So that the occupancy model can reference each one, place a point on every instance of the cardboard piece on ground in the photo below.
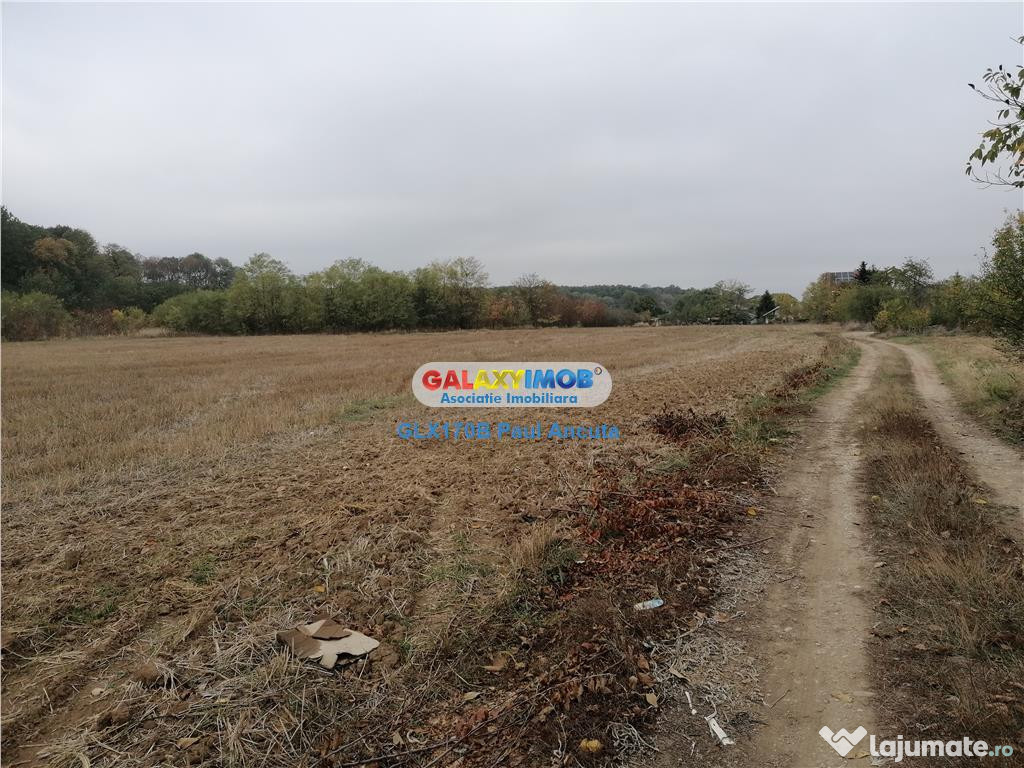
(327, 641)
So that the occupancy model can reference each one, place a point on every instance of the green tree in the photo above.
(450, 294)
(913, 279)
(765, 304)
(261, 298)
(16, 242)
(196, 312)
(953, 302)
(1002, 146)
(863, 274)
(789, 307)
(819, 300)
(861, 302)
(536, 296)
(1002, 283)
(648, 305)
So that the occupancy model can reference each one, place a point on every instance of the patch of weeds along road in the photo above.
(949, 644)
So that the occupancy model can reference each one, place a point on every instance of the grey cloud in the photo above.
(589, 143)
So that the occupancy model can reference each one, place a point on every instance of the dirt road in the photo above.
(809, 628)
(993, 462)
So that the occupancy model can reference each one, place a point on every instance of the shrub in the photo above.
(128, 320)
(197, 312)
(898, 315)
(32, 316)
(92, 322)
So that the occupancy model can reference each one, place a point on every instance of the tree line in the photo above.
(59, 281)
(908, 298)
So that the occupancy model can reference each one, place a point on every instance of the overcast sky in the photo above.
(589, 143)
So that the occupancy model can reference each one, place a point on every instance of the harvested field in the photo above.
(171, 504)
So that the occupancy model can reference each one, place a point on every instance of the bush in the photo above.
(32, 316)
(899, 315)
(92, 322)
(128, 320)
(197, 312)
(861, 303)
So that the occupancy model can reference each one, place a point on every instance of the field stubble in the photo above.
(170, 504)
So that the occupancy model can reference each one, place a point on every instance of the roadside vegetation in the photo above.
(949, 642)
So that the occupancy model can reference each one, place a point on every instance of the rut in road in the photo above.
(992, 461)
(817, 624)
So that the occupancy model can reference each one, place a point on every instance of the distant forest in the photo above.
(58, 281)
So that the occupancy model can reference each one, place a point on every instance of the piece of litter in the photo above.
(647, 605)
(327, 641)
(717, 732)
(498, 663)
(689, 700)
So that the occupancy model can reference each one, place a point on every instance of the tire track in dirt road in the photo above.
(993, 462)
(815, 625)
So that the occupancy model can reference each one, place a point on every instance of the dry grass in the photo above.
(183, 499)
(950, 646)
(987, 382)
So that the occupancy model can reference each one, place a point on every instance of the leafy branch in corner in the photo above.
(1002, 145)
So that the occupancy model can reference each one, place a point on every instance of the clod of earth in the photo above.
(73, 557)
(149, 674)
(327, 641)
